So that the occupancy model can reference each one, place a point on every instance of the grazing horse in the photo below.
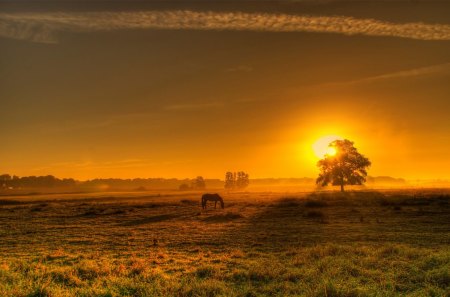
(212, 197)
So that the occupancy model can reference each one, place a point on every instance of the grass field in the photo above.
(262, 244)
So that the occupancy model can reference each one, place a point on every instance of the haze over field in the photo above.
(178, 89)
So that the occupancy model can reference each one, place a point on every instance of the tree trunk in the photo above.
(342, 187)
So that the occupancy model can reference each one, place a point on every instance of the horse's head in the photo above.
(220, 200)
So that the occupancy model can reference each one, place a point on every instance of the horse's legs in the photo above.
(215, 204)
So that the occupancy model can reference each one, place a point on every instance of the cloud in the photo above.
(420, 71)
(240, 68)
(408, 73)
(193, 106)
(24, 29)
(45, 26)
(90, 165)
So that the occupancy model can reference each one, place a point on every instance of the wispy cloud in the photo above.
(90, 165)
(240, 68)
(193, 106)
(420, 71)
(45, 26)
(408, 73)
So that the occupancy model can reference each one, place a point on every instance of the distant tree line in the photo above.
(233, 181)
(196, 184)
(12, 182)
(49, 181)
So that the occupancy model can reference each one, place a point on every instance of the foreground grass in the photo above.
(360, 244)
(325, 270)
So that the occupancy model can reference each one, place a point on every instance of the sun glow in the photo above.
(331, 151)
(321, 147)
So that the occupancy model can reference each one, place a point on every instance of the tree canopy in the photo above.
(236, 181)
(346, 167)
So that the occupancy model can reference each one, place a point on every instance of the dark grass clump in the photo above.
(10, 202)
(189, 202)
(397, 208)
(90, 213)
(229, 216)
(289, 202)
(114, 212)
(315, 203)
(205, 271)
(315, 214)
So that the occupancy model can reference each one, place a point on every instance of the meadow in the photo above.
(360, 243)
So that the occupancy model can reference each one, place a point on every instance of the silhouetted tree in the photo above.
(199, 183)
(346, 167)
(4, 180)
(184, 187)
(242, 180)
(229, 180)
(239, 180)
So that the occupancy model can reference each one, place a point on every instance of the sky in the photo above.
(178, 89)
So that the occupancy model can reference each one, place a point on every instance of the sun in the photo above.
(331, 151)
(321, 146)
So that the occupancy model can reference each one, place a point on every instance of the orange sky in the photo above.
(171, 100)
